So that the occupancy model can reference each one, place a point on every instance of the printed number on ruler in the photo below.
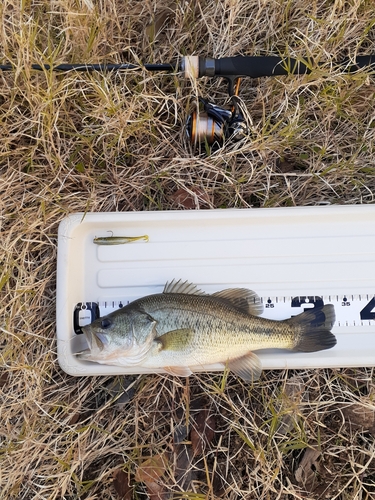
(351, 310)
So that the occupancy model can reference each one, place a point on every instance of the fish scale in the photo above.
(209, 318)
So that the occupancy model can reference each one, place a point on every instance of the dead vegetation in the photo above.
(106, 142)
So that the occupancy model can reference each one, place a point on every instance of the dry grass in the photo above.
(96, 142)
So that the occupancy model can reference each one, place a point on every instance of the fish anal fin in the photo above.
(179, 371)
(248, 367)
(175, 340)
(243, 299)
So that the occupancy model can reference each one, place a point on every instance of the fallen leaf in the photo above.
(122, 389)
(121, 485)
(156, 491)
(360, 417)
(202, 432)
(285, 166)
(74, 419)
(191, 198)
(151, 473)
(293, 395)
(180, 433)
(219, 481)
(184, 472)
(4, 378)
(309, 467)
(156, 26)
(151, 469)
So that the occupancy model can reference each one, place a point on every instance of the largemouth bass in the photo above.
(183, 328)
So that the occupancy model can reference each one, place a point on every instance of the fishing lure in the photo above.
(118, 240)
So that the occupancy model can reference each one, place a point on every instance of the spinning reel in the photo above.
(215, 124)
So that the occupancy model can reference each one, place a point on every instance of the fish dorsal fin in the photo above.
(248, 367)
(243, 299)
(182, 287)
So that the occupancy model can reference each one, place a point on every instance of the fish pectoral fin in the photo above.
(248, 367)
(243, 299)
(175, 340)
(179, 371)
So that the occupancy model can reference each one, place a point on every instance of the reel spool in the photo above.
(208, 126)
(216, 124)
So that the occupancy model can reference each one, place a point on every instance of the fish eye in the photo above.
(106, 323)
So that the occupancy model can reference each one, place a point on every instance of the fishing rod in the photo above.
(216, 124)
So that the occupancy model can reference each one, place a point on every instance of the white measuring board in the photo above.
(293, 258)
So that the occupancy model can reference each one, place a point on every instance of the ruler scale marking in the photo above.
(349, 313)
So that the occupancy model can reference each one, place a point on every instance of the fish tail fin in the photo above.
(313, 327)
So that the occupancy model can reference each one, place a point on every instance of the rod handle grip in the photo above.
(259, 66)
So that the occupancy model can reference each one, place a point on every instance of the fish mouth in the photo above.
(89, 338)
(85, 354)
(94, 341)
(95, 346)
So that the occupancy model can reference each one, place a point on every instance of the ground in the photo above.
(117, 142)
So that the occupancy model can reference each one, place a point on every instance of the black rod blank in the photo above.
(93, 67)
